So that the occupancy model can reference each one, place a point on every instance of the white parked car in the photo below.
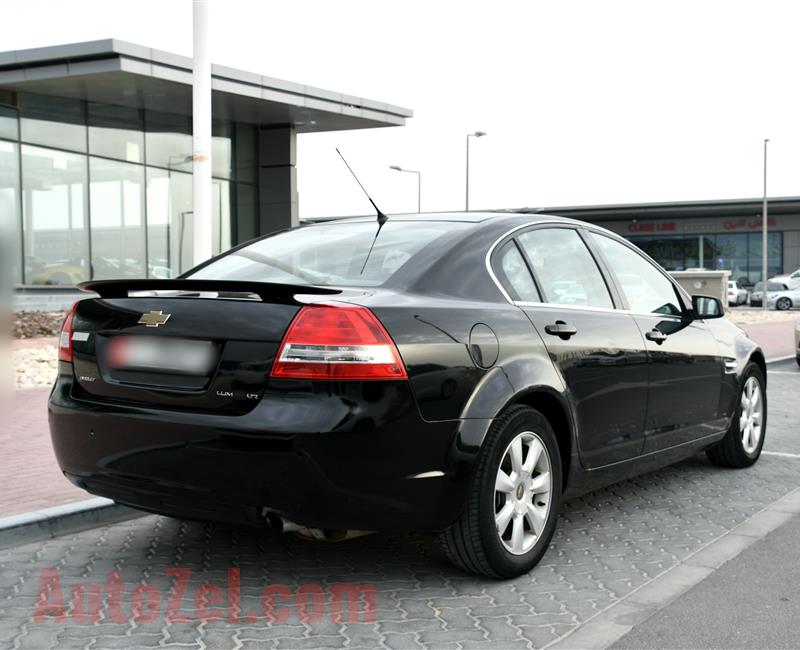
(791, 280)
(797, 340)
(736, 295)
(779, 296)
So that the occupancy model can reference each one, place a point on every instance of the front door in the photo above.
(686, 368)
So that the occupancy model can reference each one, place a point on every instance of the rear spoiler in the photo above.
(267, 291)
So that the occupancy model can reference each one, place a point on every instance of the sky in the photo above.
(582, 102)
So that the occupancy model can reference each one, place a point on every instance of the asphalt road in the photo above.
(752, 601)
(191, 585)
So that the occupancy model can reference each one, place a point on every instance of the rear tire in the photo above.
(511, 509)
(741, 446)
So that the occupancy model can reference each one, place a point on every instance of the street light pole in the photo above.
(477, 134)
(764, 240)
(419, 183)
(202, 247)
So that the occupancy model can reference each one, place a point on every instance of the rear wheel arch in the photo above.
(559, 418)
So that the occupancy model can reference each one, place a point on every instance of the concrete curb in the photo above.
(779, 359)
(614, 622)
(48, 523)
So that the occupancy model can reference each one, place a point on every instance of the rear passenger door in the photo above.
(686, 369)
(598, 349)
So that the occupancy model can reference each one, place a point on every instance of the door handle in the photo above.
(656, 335)
(561, 330)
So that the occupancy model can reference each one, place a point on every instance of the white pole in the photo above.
(764, 239)
(201, 137)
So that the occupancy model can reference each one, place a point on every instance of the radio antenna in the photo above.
(382, 218)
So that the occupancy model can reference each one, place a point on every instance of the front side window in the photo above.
(565, 269)
(644, 285)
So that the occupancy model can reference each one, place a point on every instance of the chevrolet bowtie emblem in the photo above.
(154, 318)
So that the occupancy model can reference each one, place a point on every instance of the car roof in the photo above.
(455, 216)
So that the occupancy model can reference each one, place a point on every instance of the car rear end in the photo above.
(236, 401)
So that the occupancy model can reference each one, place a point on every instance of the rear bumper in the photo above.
(344, 455)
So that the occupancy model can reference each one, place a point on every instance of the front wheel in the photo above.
(742, 445)
(783, 304)
(511, 509)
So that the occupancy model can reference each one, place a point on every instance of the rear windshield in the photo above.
(329, 254)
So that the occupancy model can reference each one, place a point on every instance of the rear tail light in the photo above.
(65, 338)
(337, 341)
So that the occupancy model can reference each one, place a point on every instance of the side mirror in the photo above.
(707, 307)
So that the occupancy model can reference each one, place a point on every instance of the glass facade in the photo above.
(740, 253)
(97, 191)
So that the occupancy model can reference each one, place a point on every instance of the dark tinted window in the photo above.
(514, 274)
(330, 254)
(644, 285)
(564, 268)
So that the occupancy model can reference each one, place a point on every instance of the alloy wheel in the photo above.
(522, 493)
(752, 415)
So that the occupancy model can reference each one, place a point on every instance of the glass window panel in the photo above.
(9, 211)
(774, 254)
(116, 195)
(566, 271)
(314, 254)
(8, 123)
(169, 222)
(221, 149)
(515, 274)
(54, 203)
(644, 285)
(168, 139)
(53, 121)
(221, 215)
(731, 255)
(116, 132)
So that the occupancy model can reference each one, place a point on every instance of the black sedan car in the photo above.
(453, 373)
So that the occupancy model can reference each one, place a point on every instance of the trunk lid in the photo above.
(183, 344)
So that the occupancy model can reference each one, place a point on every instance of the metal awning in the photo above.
(126, 74)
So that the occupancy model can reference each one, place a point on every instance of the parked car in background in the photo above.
(791, 280)
(779, 296)
(797, 340)
(736, 294)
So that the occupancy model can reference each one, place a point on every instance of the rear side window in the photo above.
(515, 275)
(644, 286)
(336, 254)
(565, 269)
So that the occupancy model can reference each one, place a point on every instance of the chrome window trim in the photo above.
(522, 303)
(578, 226)
(488, 260)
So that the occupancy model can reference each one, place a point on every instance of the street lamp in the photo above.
(764, 267)
(419, 183)
(477, 134)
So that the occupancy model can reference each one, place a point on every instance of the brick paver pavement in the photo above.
(30, 475)
(607, 544)
(776, 338)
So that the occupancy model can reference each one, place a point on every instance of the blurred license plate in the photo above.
(167, 354)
